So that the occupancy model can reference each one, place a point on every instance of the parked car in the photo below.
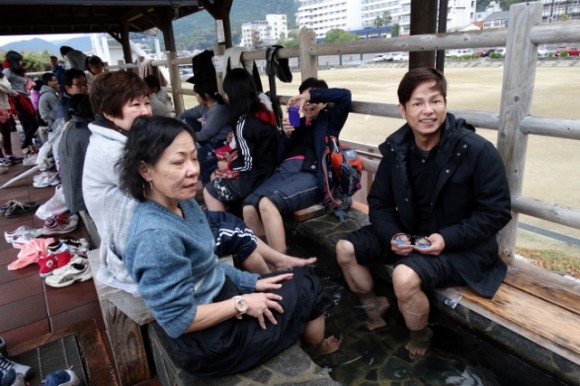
(572, 51)
(542, 52)
(381, 58)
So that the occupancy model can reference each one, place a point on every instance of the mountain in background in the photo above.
(82, 43)
(196, 31)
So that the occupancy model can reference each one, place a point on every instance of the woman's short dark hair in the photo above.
(112, 90)
(242, 94)
(311, 83)
(146, 141)
(415, 77)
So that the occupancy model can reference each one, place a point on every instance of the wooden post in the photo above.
(423, 21)
(308, 63)
(518, 84)
(175, 83)
(218, 52)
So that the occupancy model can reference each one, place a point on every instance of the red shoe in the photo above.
(60, 254)
(47, 265)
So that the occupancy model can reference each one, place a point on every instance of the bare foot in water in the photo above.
(290, 262)
(328, 346)
(419, 342)
(375, 311)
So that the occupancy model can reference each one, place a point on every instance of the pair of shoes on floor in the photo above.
(7, 366)
(60, 224)
(65, 377)
(45, 179)
(77, 269)
(17, 208)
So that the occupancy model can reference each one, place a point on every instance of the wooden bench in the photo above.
(133, 335)
(535, 313)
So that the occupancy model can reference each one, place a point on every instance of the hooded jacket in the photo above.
(47, 104)
(469, 203)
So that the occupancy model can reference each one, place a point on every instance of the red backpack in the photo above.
(342, 169)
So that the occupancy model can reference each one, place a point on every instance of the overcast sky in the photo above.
(15, 38)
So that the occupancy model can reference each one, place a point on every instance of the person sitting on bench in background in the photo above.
(298, 181)
(438, 200)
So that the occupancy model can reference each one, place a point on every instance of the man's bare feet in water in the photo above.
(328, 346)
(375, 310)
(289, 262)
(419, 342)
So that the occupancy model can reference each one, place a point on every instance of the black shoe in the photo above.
(20, 208)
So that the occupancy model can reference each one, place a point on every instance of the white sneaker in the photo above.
(21, 231)
(6, 365)
(77, 269)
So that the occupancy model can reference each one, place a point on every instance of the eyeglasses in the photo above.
(85, 84)
(407, 239)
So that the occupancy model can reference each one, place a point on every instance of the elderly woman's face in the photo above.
(174, 177)
(131, 110)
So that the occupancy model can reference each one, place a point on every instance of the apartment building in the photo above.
(264, 32)
(322, 16)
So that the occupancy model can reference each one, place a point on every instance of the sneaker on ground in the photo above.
(21, 231)
(20, 208)
(50, 179)
(11, 203)
(14, 159)
(77, 270)
(47, 265)
(5, 162)
(60, 224)
(76, 246)
(60, 253)
(11, 378)
(62, 378)
(6, 364)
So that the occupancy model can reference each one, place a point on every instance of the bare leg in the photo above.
(414, 306)
(273, 225)
(313, 338)
(360, 281)
(255, 263)
(212, 203)
(253, 220)
(280, 261)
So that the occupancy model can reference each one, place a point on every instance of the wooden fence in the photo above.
(521, 40)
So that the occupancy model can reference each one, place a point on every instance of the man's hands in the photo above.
(262, 303)
(406, 248)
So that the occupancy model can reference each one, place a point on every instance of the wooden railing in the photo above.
(521, 39)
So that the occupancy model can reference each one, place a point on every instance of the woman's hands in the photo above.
(262, 303)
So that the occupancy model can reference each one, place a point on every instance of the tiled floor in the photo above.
(28, 307)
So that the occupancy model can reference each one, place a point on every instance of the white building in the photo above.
(492, 7)
(460, 13)
(264, 32)
(322, 16)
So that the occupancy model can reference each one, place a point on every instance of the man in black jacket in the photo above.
(439, 198)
